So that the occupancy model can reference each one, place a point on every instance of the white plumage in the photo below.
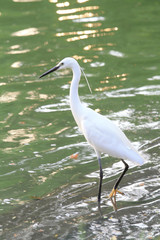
(100, 132)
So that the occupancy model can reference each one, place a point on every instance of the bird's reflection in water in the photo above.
(114, 204)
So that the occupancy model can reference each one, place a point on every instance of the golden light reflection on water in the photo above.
(88, 33)
(88, 16)
(120, 77)
(26, 32)
(24, 1)
(22, 136)
(18, 51)
(9, 97)
(97, 47)
(2, 83)
(33, 95)
(65, 4)
(61, 130)
(72, 17)
(87, 36)
(27, 109)
(101, 89)
(53, 1)
(94, 24)
(74, 10)
(84, 59)
(15, 46)
(78, 1)
(82, 1)
(75, 33)
(17, 64)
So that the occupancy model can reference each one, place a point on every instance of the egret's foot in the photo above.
(114, 192)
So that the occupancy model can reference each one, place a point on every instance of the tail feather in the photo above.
(135, 157)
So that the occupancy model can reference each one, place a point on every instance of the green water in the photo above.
(117, 44)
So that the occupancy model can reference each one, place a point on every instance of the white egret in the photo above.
(101, 133)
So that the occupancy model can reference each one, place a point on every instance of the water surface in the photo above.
(49, 174)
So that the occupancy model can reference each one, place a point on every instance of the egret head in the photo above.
(65, 63)
(68, 62)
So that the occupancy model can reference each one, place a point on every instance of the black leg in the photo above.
(100, 181)
(115, 190)
(121, 176)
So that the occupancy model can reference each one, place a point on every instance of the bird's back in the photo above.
(105, 137)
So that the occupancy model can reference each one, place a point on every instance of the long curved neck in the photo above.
(75, 103)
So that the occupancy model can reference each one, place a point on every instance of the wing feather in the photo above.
(106, 137)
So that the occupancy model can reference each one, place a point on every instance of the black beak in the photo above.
(49, 71)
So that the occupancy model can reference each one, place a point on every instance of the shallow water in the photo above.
(48, 173)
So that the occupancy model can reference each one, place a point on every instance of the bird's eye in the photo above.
(62, 63)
